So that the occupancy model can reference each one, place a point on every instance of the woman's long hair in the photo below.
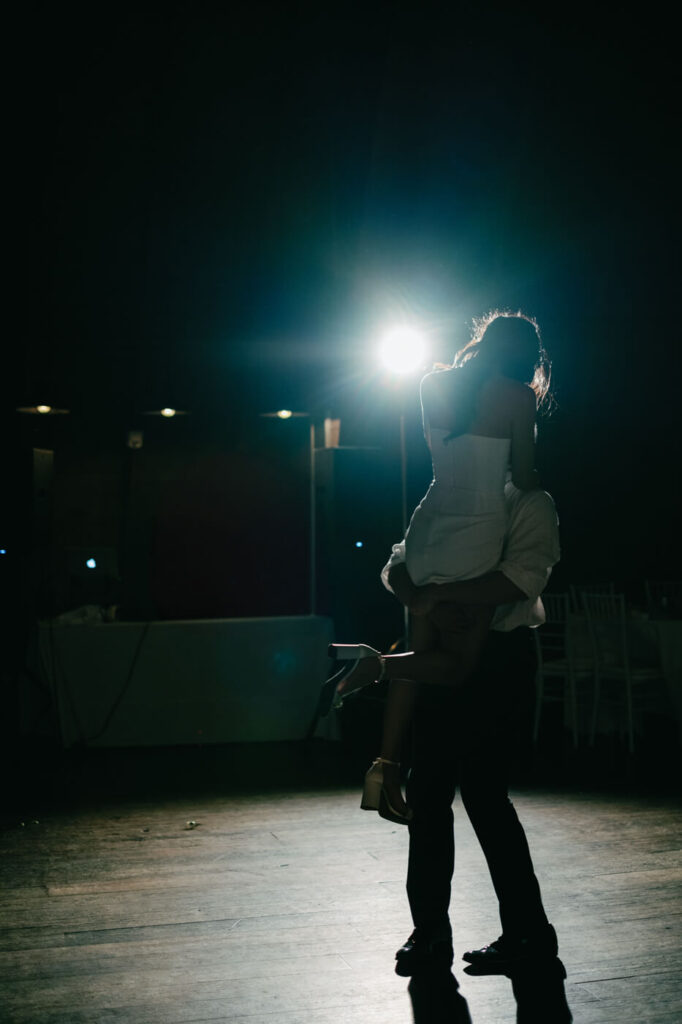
(506, 343)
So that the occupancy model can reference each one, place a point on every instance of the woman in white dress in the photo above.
(479, 424)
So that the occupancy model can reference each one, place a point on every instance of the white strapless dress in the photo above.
(457, 530)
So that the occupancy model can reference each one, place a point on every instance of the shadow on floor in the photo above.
(436, 999)
(538, 990)
(540, 994)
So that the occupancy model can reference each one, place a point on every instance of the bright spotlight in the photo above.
(403, 349)
(285, 414)
(168, 413)
(44, 409)
(91, 563)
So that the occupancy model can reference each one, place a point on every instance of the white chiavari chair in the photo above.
(560, 669)
(578, 589)
(634, 684)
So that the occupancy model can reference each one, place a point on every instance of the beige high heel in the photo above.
(375, 798)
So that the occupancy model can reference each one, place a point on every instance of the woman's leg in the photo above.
(445, 651)
(398, 714)
(446, 662)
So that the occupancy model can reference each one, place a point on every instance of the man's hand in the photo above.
(423, 600)
(417, 600)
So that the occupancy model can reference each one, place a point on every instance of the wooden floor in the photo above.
(287, 909)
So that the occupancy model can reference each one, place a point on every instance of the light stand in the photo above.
(287, 414)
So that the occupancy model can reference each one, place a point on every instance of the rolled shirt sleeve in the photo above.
(532, 544)
(397, 556)
(530, 551)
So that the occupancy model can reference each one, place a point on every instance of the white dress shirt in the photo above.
(531, 548)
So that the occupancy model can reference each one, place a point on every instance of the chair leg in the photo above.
(631, 728)
(539, 697)
(595, 707)
(573, 708)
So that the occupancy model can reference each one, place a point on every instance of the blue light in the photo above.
(91, 563)
(3, 551)
(358, 543)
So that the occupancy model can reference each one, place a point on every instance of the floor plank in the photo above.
(287, 907)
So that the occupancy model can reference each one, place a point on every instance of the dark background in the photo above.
(221, 209)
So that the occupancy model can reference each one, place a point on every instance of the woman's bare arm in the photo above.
(494, 588)
(424, 389)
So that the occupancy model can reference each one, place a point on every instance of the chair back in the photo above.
(663, 598)
(578, 589)
(550, 638)
(606, 620)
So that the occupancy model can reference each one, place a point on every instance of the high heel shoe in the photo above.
(329, 697)
(375, 798)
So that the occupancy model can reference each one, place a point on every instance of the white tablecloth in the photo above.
(210, 681)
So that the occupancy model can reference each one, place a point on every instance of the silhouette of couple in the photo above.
(477, 554)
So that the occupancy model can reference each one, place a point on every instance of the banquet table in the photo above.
(198, 681)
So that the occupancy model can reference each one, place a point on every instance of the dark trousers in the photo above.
(463, 738)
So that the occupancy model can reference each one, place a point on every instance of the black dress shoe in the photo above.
(421, 953)
(505, 954)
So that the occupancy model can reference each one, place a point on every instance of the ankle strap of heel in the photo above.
(384, 760)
